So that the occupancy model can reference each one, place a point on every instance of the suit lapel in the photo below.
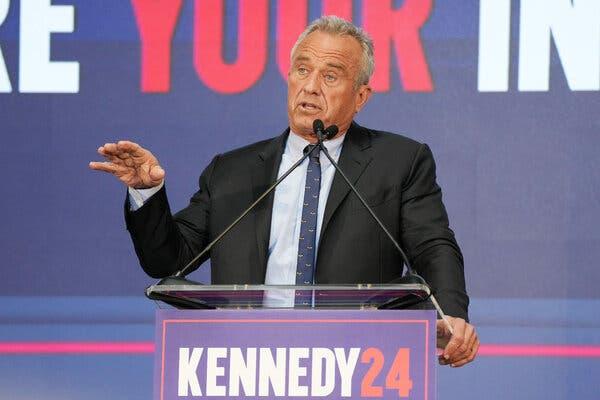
(264, 173)
(353, 161)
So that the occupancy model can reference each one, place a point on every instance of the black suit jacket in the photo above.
(395, 174)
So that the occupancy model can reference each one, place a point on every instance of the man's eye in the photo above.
(302, 70)
(330, 78)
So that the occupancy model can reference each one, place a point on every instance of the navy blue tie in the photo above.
(305, 268)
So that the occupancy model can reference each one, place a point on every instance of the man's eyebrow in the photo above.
(336, 66)
(329, 64)
(301, 58)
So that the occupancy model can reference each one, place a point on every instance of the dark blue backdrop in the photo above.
(517, 169)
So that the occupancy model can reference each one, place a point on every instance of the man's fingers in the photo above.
(124, 174)
(108, 148)
(128, 144)
(130, 163)
(126, 153)
(463, 345)
(112, 153)
(122, 149)
(134, 149)
(468, 339)
(457, 339)
(469, 357)
(465, 349)
(110, 167)
(110, 157)
(105, 166)
(473, 337)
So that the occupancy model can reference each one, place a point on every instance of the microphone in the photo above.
(331, 131)
(318, 128)
(322, 133)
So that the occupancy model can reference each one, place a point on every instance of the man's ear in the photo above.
(363, 94)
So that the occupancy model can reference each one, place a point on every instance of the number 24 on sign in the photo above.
(397, 377)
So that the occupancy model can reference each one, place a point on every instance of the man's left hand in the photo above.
(460, 347)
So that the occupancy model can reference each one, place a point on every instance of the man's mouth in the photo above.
(309, 107)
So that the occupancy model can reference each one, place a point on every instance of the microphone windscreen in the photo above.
(331, 131)
(318, 126)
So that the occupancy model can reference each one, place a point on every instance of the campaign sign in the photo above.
(273, 354)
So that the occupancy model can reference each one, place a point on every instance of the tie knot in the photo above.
(315, 154)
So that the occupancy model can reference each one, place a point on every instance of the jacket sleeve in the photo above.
(165, 243)
(429, 241)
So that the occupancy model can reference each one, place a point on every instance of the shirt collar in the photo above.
(295, 145)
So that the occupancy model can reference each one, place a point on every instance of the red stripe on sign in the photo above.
(76, 347)
(489, 350)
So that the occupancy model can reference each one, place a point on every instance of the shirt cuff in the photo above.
(138, 197)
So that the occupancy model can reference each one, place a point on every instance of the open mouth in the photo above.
(310, 107)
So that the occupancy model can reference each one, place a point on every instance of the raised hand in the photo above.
(133, 165)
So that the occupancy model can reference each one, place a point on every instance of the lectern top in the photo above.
(347, 296)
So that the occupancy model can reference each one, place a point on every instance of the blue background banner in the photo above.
(507, 99)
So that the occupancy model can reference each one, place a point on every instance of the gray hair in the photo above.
(338, 26)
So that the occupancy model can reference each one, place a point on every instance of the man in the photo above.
(312, 229)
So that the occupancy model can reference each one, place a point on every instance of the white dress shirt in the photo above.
(287, 214)
(287, 208)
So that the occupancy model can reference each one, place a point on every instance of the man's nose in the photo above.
(312, 85)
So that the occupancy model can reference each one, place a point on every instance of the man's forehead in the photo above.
(338, 51)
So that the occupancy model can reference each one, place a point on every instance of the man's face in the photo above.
(322, 83)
